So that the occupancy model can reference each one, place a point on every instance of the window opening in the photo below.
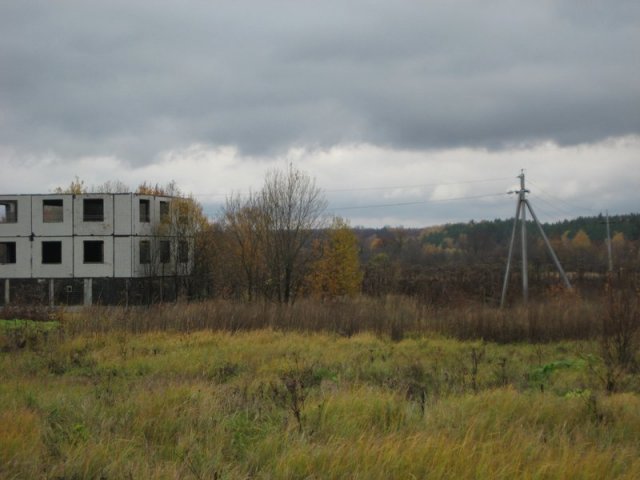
(165, 251)
(145, 251)
(93, 251)
(7, 252)
(93, 210)
(183, 213)
(183, 251)
(51, 252)
(164, 211)
(52, 211)
(8, 211)
(145, 211)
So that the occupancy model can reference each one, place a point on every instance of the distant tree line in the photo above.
(468, 259)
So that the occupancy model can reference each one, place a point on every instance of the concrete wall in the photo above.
(22, 267)
(44, 227)
(123, 213)
(88, 270)
(62, 270)
(120, 230)
(123, 247)
(21, 228)
(104, 227)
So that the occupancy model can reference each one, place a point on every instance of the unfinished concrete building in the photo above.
(65, 246)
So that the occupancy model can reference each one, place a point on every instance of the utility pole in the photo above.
(608, 222)
(609, 245)
(521, 207)
(523, 227)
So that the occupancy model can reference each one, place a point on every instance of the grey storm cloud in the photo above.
(132, 79)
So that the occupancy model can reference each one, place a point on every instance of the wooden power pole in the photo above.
(521, 208)
(609, 252)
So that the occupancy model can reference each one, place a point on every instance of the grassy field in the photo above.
(274, 404)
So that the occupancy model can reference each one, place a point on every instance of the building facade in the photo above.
(91, 236)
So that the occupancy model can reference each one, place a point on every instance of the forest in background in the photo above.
(465, 262)
(470, 257)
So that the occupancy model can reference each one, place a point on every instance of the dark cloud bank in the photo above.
(132, 79)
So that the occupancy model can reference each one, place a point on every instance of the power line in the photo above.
(539, 196)
(553, 206)
(218, 194)
(561, 200)
(421, 202)
(403, 204)
(422, 185)
(549, 217)
(389, 187)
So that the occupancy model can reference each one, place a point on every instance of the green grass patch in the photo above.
(16, 324)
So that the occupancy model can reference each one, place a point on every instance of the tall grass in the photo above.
(223, 405)
(362, 388)
(393, 316)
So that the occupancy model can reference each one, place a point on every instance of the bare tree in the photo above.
(184, 222)
(292, 210)
(271, 233)
(241, 220)
(179, 239)
(78, 186)
(111, 186)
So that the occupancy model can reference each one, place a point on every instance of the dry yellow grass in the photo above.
(223, 405)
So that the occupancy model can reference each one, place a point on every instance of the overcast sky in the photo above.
(419, 112)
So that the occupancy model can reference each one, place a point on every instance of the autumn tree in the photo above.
(169, 189)
(241, 221)
(581, 246)
(622, 250)
(77, 186)
(185, 226)
(337, 270)
(618, 240)
(111, 186)
(292, 210)
(581, 240)
(272, 232)
(379, 275)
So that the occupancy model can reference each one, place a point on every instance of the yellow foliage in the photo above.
(76, 187)
(581, 240)
(429, 230)
(618, 240)
(430, 249)
(448, 242)
(337, 271)
(376, 243)
(170, 189)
